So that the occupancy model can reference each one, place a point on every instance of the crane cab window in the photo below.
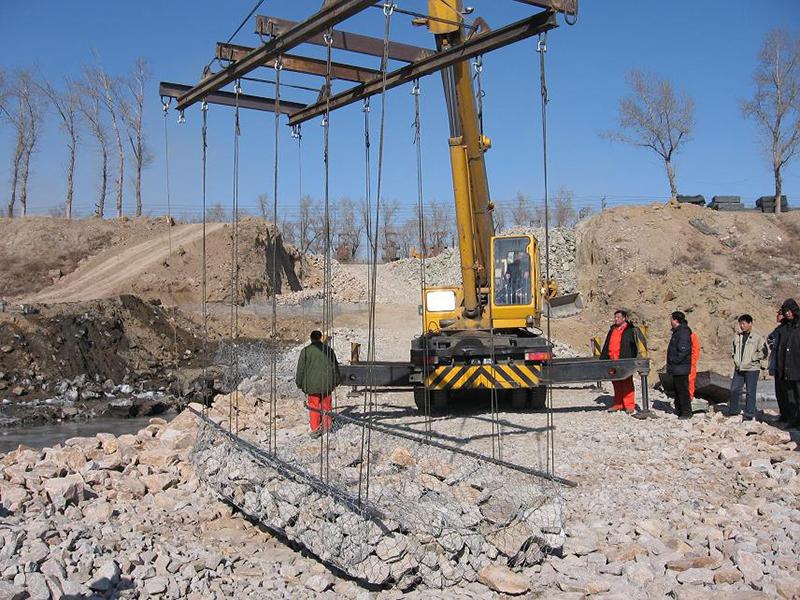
(512, 271)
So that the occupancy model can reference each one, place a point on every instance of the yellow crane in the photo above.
(483, 334)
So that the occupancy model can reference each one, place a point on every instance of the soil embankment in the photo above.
(712, 265)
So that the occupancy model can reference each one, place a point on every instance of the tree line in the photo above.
(107, 108)
(351, 227)
(656, 117)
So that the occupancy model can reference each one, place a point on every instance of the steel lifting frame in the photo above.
(286, 35)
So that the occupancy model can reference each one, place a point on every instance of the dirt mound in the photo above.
(712, 265)
(165, 263)
(36, 250)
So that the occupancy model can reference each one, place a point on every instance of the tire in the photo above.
(538, 397)
(436, 398)
(519, 399)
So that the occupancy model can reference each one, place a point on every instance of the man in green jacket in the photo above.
(318, 375)
(747, 351)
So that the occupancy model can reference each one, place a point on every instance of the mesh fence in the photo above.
(241, 360)
(428, 516)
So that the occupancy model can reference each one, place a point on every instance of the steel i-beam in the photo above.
(328, 16)
(474, 46)
(302, 64)
(176, 90)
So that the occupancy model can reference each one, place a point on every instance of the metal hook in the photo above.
(541, 45)
(296, 133)
(204, 105)
(478, 63)
(237, 88)
(165, 105)
(181, 118)
(327, 37)
(571, 13)
(388, 8)
(415, 89)
(324, 122)
(366, 108)
(278, 63)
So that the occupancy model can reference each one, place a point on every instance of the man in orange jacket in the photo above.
(621, 343)
(695, 358)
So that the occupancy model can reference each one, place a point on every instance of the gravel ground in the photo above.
(706, 508)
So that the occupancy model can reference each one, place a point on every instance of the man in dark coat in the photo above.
(787, 363)
(621, 343)
(679, 363)
(318, 375)
(773, 340)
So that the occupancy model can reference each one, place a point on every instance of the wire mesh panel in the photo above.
(425, 516)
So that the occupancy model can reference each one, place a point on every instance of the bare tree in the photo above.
(264, 207)
(776, 103)
(349, 227)
(66, 105)
(309, 225)
(521, 215)
(14, 112)
(653, 116)
(112, 102)
(565, 209)
(21, 106)
(133, 116)
(500, 216)
(584, 212)
(438, 226)
(216, 213)
(34, 108)
(91, 107)
(389, 213)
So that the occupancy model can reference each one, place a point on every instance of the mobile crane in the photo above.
(483, 334)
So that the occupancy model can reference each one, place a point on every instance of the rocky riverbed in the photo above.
(706, 508)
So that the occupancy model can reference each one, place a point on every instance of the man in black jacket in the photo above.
(787, 364)
(679, 363)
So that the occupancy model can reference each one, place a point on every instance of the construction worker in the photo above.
(679, 363)
(747, 351)
(695, 359)
(318, 375)
(621, 343)
(787, 367)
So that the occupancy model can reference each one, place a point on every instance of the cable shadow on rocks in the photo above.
(383, 416)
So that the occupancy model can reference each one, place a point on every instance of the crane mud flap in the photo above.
(503, 377)
(563, 306)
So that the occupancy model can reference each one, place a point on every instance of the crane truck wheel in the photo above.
(538, 397)
(436, 398)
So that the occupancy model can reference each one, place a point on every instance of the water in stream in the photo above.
(44, 436)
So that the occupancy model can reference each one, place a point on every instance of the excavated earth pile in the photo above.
(70, 359)
(432, 518)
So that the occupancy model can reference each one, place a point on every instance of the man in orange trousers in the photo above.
(695, 358)
(621, 343)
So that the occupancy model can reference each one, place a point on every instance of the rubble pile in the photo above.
(433, 518)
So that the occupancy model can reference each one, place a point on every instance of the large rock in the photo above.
(106, 577)
(65, 490)
(502, 579)
(9, 591)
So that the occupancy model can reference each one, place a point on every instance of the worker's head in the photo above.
(620, 316)
(316, 336)
(676, 318)
(745, 323)
(790, 309)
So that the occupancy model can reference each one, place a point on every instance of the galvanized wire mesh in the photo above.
(241, 360)
(432, 517)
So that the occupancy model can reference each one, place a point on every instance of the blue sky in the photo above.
(706, 49)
